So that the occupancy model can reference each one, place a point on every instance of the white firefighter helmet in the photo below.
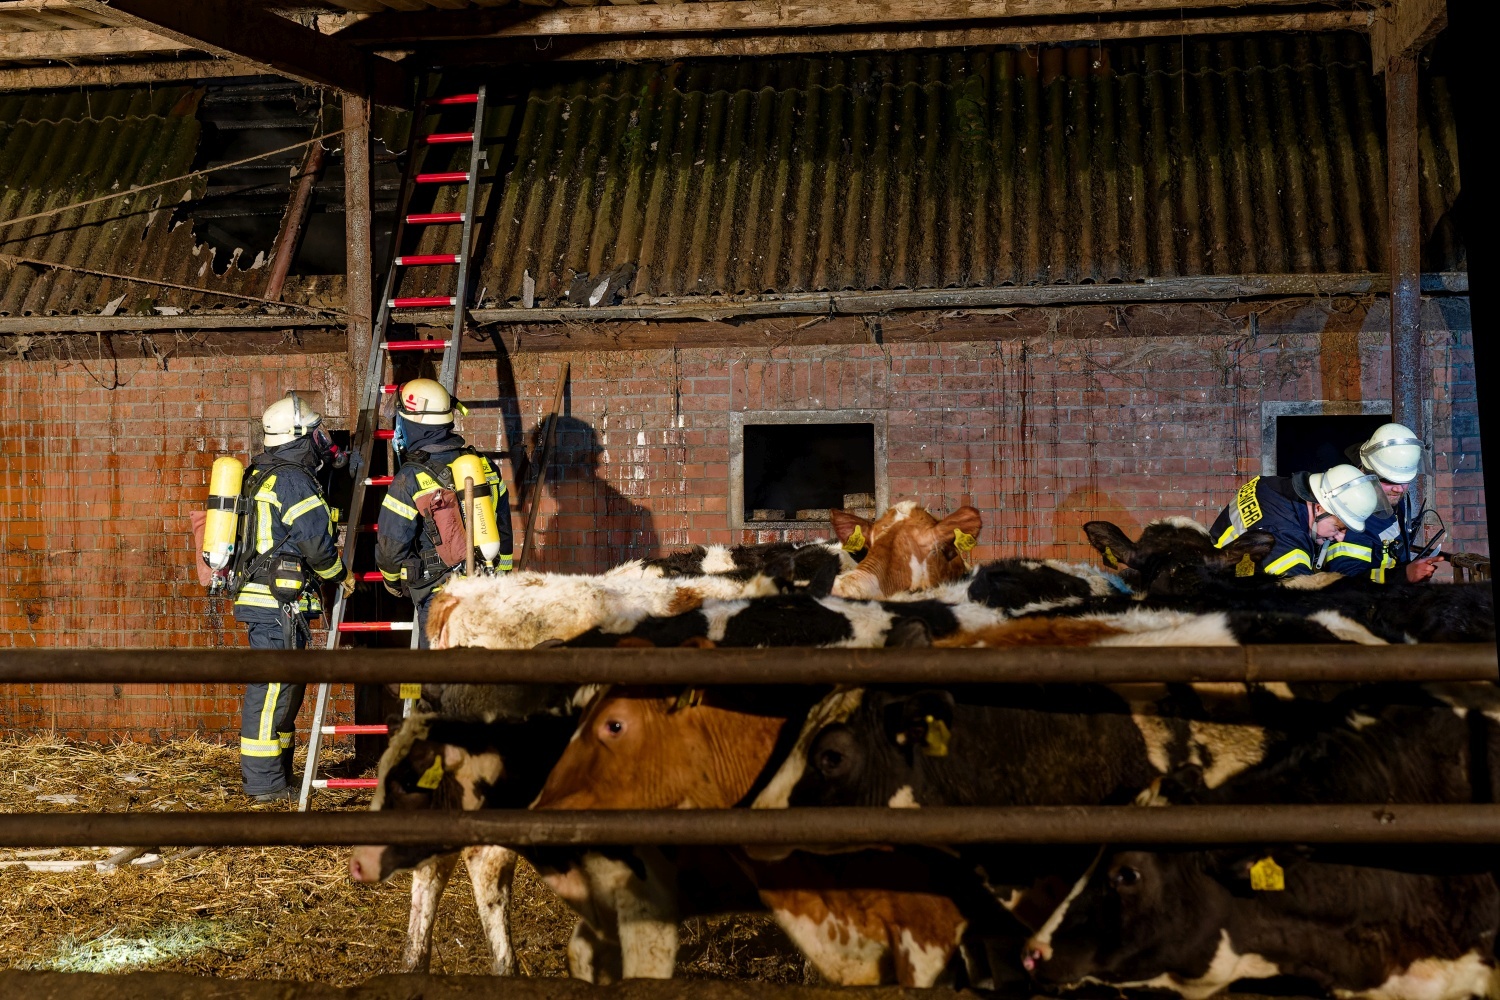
(1394, 453)
(424, 401)
(1349, 494)
(287, 419)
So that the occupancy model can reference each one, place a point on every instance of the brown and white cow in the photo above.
(908, 549)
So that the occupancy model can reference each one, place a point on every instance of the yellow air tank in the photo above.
(486, 535)
(223, 493)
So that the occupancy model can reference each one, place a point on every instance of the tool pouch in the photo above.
(440, 508)
(287, 580)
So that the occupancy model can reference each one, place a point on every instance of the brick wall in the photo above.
(102, 461)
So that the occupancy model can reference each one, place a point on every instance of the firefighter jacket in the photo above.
(406, 541)
(290, 517)
(1384, 544)
(1275, 504)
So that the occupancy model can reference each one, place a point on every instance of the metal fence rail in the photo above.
(1342, 824)
(1026, 665)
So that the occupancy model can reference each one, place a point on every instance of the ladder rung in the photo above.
(444, 177)
(422, 259)
(455, 99)
(443, 138)
(379, 480)
(368, 529)
(422, 302)
(431, 218)
(390, 390)
(356, 730)
(384, 434)
(371, 577)
(345, 782)
(415, 345)
(374, 626)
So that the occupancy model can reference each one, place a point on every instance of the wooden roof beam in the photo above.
(396, 29)
(275, 44)
(122, 74)
(85, 43)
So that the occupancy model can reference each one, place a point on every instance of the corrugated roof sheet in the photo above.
(59, 149)
(953, 169)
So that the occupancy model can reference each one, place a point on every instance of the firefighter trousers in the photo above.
(268, 719)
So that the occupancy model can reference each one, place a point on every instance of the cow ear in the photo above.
(852, 530)
(922, 722)
(1113, 544)
(962, 528)
(1247, 551)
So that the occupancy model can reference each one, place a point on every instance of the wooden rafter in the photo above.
(746, 15)
(803, 43)
(84, 43)
(278, 45)
(122, 74)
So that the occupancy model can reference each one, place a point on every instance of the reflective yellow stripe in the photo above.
(258, 595)
(259, 748)
(395, 506)
(504, 563)
(1230, 534)
(1378, 574)
(391, 577)
(1296, 557)
(263, 527)
(284, 740)
(1349, 550)
(425, 485)
(301, 507)
(337, 569)
(268, 710)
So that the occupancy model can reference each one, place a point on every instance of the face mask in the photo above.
(327, 450)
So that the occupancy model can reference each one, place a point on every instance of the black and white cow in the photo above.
(1175, 564)
(1393, 923)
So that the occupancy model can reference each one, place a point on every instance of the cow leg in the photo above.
(492, 872)
(643, 910)
(427, 883)
(592, 957)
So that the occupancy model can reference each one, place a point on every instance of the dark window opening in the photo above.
(797, 472)
(1317, 443)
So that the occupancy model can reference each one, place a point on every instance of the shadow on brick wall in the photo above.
(595, 526)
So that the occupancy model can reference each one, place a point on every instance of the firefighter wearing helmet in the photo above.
(421, 535)
(1306, 514)
(1384, 547)
(289, 552)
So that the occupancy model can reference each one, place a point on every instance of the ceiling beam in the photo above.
(804, 43)
(1402, 28)
(278, 45)
(743, 15)
(82, 43)
(122, 74)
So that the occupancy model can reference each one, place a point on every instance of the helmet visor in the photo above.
(1355, 496)
(1397, 459)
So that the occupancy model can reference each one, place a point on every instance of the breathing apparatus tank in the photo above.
(220, 527)
(486, 534)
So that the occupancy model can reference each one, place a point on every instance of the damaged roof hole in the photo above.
(241, 211)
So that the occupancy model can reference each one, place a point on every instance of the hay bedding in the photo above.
(264, 913)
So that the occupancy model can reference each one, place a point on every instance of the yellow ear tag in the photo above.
(938, 736)
(1110, 557)
(1267, 876)
(856, 540)
(963, 541)
(433, 775)
(410, 692)
(1245, 567)
(690, 698)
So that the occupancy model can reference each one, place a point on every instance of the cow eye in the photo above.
(830, 761)
(614, 727)
(1125, 877)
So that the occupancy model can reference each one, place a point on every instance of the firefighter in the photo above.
(1305, 512)
(420, 538)
(292, 550)
(1394, 454)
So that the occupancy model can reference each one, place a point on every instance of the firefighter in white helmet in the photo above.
(289, 550)
(420, 537)
(1384, 547)
(1305, 512)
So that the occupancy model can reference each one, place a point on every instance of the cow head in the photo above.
(880, 756)
(655, 748)
(905, 549)
(1175, 557)
(1136, 917)
(439, 763)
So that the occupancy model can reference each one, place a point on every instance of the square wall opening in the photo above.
(791, 469)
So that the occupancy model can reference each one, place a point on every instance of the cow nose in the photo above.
(1036, 953)
(356, 871)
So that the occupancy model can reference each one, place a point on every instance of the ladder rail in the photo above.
(449, 373)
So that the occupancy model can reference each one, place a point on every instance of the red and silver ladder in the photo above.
(409, 228)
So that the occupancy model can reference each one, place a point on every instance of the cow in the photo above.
(907, 549)
(1388, 923)
(1175, 564)
(434, 762)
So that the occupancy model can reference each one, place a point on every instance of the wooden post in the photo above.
(536, 494)
(1405, 241)
(359, 272)
(295, 221)
(469, 524)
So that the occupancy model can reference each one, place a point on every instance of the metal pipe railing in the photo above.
(1343, 824)
(801, 665)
